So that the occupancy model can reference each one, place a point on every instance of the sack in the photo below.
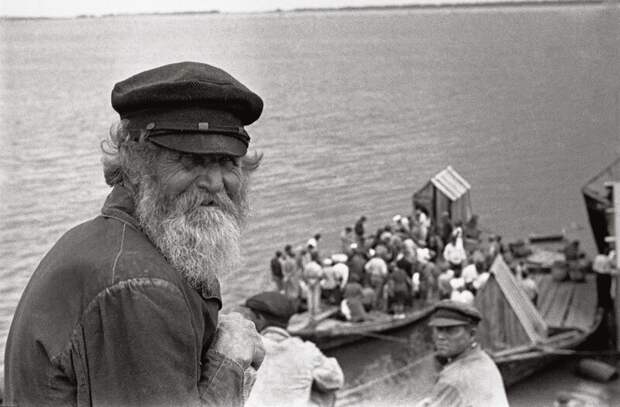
(576, 275)
(559, 271)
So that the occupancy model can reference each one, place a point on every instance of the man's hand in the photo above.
(237, 339)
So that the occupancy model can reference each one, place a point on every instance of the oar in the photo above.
(536, 353)
(383, 337)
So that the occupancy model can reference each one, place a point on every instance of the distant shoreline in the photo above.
(446, 5)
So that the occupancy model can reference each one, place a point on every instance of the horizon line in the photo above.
(423, 5)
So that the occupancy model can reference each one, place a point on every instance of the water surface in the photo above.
(361, 108)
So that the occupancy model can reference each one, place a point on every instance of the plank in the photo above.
(546, 294)
(583, 307)
(526, 312)
(559, 307)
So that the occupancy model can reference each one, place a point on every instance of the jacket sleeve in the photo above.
(443, 394)
(222, 382)
(141, 347)
(326, 373)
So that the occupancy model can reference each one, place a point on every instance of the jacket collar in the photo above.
(120, 205)
(443, 361)
(276, 333)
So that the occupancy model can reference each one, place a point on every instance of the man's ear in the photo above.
(473, 330)
(261, 322)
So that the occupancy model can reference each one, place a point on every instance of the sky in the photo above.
(65, 8)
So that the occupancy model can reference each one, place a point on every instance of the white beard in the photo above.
(202, 242)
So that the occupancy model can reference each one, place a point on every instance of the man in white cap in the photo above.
(313, 274)
(468, 377)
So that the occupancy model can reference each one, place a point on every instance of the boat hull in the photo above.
(374, 356)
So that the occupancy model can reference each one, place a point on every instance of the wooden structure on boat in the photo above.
(447, 191)
(522, 338)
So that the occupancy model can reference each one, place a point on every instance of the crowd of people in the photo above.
(409, 261)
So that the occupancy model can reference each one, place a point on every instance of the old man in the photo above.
(123, 310)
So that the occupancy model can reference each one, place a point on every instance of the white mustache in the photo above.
(193, 200)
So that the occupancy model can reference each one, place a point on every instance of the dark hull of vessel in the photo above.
(598, 200)
(379, 355)
(348, 333)
(373, 348)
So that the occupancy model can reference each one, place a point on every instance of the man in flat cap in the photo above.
(124, 309)
(468, 377)
(295, 372)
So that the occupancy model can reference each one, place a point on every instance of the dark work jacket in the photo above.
(106, 321)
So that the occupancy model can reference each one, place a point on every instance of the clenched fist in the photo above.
(237, 339)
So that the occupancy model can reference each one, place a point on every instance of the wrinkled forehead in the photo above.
(165, 153)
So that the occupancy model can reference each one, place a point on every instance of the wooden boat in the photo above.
(390, 361)
(387, 342)
(370, 348)
(446, 191)
(328, 332)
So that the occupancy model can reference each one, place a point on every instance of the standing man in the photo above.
(313, 274)
(469, 377)
(346, 240)
(295, 372)
(291, 275)
(276, 270)
(124, 309)
(604, 267)
(377, 270)
(454, 253)
(313, 247)
(360, 232)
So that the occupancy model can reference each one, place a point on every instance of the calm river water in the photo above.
(361, 108)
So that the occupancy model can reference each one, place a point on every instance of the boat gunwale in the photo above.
(366, 326)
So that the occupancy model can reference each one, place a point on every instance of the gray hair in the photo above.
(126, 159)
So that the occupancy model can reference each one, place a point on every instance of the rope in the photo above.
(571, 352)
(383, 337)
(559, 352)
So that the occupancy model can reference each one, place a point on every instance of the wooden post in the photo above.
(616, 198)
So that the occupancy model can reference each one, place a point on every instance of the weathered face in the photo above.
(192, 208)
(451, 341)
(211, 173)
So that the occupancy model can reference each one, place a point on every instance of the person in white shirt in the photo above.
(376, 269)
(454, 252)
(341, 269)
(604, 267)
(295, 372)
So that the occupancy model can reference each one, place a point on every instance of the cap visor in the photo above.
(201, 143)
(446, 322)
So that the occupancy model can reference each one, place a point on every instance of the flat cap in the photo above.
(450, 313)
(273, 305)
(190, 107)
